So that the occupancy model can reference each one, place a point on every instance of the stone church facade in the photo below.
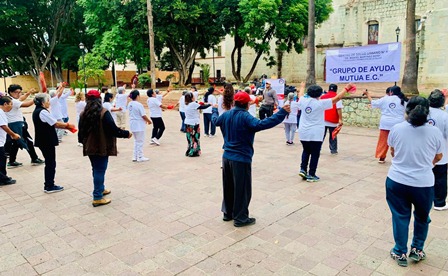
(363, 22)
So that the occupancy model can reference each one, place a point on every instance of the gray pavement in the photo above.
(165, 216)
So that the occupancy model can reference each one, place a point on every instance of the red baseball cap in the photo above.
(242, 97)
(93, 94)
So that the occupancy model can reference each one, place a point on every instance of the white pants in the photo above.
(60, 131)
(290, 130)
(121, 119)
(139, 141)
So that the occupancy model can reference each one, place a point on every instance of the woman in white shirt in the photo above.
(121, 101)
(181, 104)
(192, 120)
(155, 108)
(415, 147)
(290, 121)
(209, 126)
(392, 108)
(439, 118)
(107, 104)
(312, 127)
(137, 121)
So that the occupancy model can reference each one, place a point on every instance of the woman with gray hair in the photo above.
(439, 118)
(46, 139)
(121, 101)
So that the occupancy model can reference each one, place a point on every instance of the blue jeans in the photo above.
(182, 116)
(99, 167)
(208, 124)
(400, 199)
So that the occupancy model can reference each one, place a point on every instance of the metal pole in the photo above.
(84, 66)
(214, 77)
(397, 41)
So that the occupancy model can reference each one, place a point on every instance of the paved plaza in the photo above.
(165, 216)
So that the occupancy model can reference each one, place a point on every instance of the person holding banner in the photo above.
(312, 127)
(392, 108)
(270, 101)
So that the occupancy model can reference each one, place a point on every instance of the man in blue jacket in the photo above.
(238, 128)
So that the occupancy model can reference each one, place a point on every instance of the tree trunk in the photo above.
(68, 75)
(409, 83)
(236, 67)
(190, 72)
(311, 59)
(152, 54)
(279, 63)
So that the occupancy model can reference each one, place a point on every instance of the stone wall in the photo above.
(357, 112)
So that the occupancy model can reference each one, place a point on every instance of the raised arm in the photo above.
(302, 89)
(341, 94)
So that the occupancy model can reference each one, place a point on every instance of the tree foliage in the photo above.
(255, 23)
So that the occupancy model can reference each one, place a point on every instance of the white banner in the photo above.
(279, 86)
(373, 63)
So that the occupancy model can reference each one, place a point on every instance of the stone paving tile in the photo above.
(165, 216)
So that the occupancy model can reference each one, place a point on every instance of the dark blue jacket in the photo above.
(238, 128)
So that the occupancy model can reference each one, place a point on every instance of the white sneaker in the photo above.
(152, 141)
(212, 136)
(297, 131)
(142, 159)
(156, 141)
(441, 208)
(206, 135)
(79, 144)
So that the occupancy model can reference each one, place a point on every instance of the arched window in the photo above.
(373, 32)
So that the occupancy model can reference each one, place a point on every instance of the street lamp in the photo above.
(397, 32)
(82, 47)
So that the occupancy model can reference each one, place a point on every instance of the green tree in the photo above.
(30, 32)
(94, 68)
(255, 23)
(186, 28)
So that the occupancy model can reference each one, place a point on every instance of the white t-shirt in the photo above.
(15, 114)
(46, 117)
(330, 124)
(210, 100)
(79, 108)
(253, 107)
(292, 117)
(311, 127)
(121, 100)
(182, 104)
(108, 106)
(392, 112)
(196, 95)
(154, 107)
(136, 113)
(439, 119)
(192, 114)
(3, 122)
(159, 97)
(63, 103)
(415, 149)
(55, 108)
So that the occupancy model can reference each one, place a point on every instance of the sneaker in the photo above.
(53, 189)
(312, 178)
(205, 135)
(99, 202)
(226, 217)
(402, 260)
(142, 159)
(297, 131)
(9, 181)
(37, 162)
(441, 208)
(382, 160)
(303, 174)
(79, 144)
(417, 255)
(106, 192)
(249, 221)
(152, 141)
(156, 141)
(334, 153)
(212, 136)
(15, 164)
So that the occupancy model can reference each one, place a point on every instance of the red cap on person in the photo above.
(242, 97)
(93, 94)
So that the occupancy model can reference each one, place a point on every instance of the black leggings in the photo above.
(158, 127)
